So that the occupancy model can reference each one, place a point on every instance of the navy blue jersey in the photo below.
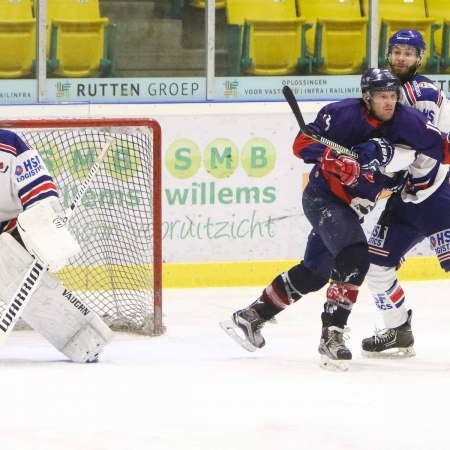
(348, 123)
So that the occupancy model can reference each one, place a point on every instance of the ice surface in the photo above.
(195, 388)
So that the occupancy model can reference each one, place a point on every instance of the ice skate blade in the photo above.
(396, 354)
(229, 327)
(336, 365)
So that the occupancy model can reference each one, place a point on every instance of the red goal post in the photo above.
(118, 224)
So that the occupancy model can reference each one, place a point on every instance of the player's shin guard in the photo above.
(388, 295)
(340, 300)
(285, 289)
(288, 288)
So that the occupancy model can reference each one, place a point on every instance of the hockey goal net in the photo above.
(118, 223)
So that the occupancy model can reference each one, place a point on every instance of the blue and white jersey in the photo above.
(421, 93)
(426, 174)
(24, 179)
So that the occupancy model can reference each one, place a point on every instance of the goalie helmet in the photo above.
(380, 80)
(411, 38)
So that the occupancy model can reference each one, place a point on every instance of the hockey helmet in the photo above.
(412, 38)
(380, 80)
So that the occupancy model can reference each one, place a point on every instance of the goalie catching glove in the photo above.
(46, 237)
(345, 167)
(373, 154)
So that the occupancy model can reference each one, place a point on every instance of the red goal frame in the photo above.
(157, 180)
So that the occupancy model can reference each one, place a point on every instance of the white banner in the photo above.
(232, 189)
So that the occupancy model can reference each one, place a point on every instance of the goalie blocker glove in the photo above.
(345, 167)
(46, 237)
(373, 154)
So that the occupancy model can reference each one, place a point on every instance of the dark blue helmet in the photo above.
(380, 80)
(412, 38)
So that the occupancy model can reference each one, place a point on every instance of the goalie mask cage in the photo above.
(118, 222)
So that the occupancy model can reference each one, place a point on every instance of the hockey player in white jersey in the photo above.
(30, 226)
(405, 52)
(422, 210)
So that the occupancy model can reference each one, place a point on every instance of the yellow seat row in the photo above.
(79, 44)
(277, 37)
(17, 38)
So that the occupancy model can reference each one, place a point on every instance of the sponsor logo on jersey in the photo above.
(416, 87)
(375, 239)
(426, 85)
(441, 242)
(3, 168)
(29, 168)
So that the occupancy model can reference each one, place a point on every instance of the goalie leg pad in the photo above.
(89, 341)
(53, 311)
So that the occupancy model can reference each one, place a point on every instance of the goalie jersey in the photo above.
(24, 179)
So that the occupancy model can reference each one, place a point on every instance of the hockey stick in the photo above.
(22, 296)
(86, 183)
(290, 98)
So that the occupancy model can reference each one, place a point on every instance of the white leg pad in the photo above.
(87, 344)
(53, 311)
(388, 295)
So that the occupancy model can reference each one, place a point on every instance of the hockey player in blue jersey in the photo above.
(340, 192)
(421, 211)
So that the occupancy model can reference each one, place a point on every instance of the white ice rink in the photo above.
(195, 388)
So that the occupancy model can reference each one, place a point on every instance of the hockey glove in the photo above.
(397, 182)
(345, 167)
(373, 154)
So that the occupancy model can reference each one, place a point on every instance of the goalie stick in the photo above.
(22, 296)
(290, 98)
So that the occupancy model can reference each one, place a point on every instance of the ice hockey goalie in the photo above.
(29, 215)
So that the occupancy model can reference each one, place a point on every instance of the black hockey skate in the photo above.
(391, 342)
(335, 353)
(250, 322)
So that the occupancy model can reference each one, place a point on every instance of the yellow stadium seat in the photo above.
(202, 4)
(265, 37)
(338, 39)
(17, 38)
(239, 10)
(396, 15)
(440, 10)
(78, 44)
(272, 47)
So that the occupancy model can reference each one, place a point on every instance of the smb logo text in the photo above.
(219, 160)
